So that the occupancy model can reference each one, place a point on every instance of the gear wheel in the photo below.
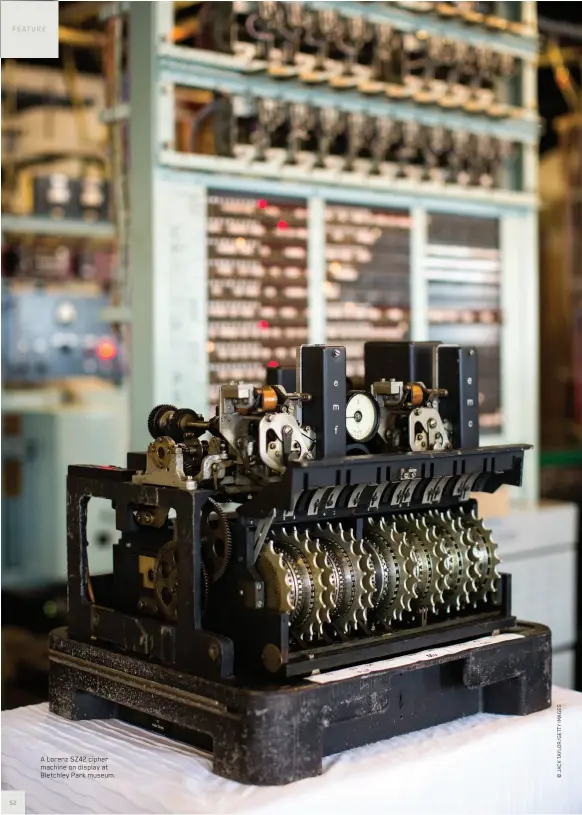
(396, 549)
(166, 580)
(281, 585)
(349, 576)
(155, 425)
(308, 554)
(458, 580)
(425, 552)
(215, 540)
(482, 552)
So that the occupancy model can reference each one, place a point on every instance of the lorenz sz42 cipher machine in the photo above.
(304, 572)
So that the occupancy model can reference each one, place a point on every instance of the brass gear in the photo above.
(482, 552)
(215, 540)
(386, 575)
(348, 577)
(386, 534)
(425, 554)
(308, 555)
(166, 580)
(292, 567)
(458, 580)
(281, 592)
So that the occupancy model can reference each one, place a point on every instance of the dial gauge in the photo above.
(361, 416)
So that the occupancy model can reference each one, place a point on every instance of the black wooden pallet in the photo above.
(278, 734)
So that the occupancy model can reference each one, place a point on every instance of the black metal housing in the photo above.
(276, 735)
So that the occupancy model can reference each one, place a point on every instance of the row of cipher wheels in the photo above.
(405, 565)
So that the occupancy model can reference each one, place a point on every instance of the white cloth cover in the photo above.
(481, 765)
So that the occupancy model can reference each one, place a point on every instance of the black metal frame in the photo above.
(241, 627)
(185, 645)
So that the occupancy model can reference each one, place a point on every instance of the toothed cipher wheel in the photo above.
(216, 540)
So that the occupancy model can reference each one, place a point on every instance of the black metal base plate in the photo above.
(278, 734)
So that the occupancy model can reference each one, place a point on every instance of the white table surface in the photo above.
(482, 764)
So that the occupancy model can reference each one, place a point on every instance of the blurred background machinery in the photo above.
(238, 178)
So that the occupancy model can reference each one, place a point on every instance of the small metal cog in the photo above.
(458, 579)
(430, 586)
(154, 417)
(349, 576)
(406, 570)
(482, 552)
(166, 580)
(215, 540)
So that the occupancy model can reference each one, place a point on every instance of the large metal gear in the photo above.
(458, 580)
(401, 575)
(482, 552)
(309, 555)
(292, 567)
(282, 584)
(426, 554)
(215, 540)
(348, 576)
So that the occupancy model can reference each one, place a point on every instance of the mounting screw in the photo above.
(259, 603)
(470, 424)
(336, 352)
(432, 423)
(472, 352)
(469, 380)
(213, 652)
(417, 412)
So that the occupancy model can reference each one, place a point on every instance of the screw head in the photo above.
(336, 352)
(213, 652)
(469, 380)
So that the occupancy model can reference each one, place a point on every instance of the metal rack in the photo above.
(66, 228)
(169, 199)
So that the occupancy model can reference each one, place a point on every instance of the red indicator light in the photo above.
(263, 324)
(272, 363)
(262, 203)
(282, 225)
(106, 350)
